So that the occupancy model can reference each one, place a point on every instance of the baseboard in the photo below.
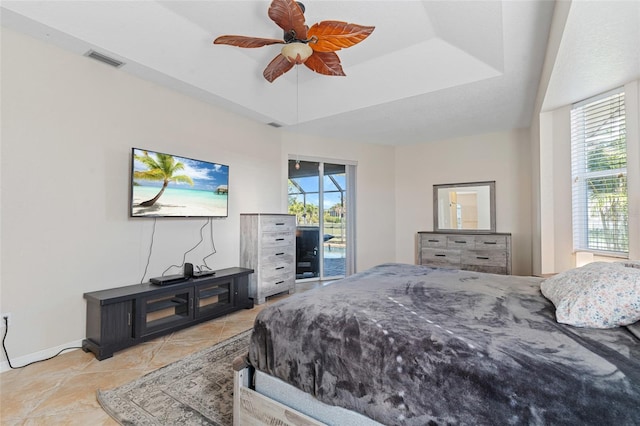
(36, 356)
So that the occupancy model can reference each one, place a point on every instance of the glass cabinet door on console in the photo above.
(125, 316)
(166, 310)
(214, 297)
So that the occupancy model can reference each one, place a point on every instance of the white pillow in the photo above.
(597, 295)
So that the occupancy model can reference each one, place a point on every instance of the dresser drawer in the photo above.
(441, 257)
(491, 242)
(277, 223)
(489, 269)
(460, 241)
(276, 285)
(484, 257)
(435, 241)
(277, 239)
(276, 271)
(277, 254)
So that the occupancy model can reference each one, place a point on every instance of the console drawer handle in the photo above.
(279, 267)
(441, 255)
(434, 241)
(279, 282)
(482, 257)
(461, 242)
(490, 242)
(279, 223)
(279, 254)
(279, 239)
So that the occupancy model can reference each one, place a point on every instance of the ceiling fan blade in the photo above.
(327, 63)
(278, 66)
(243, 41)
(335, 35)
(288, 16)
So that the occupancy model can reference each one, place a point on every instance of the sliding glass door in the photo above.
(334, 224)
(318, 195)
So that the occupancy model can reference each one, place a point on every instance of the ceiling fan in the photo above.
(315, 47)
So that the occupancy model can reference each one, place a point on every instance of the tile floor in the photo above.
(62, 391)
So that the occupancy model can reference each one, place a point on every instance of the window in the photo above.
(599, 175)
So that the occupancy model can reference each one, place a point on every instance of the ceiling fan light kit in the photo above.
(296, 52)
(315, 47)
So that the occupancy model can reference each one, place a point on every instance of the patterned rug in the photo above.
(197, 390)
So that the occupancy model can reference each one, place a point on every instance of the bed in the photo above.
(413, 345)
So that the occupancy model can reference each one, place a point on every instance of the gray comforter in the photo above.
(406, 344)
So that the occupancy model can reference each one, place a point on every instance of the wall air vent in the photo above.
(104, 59)
(274, 124)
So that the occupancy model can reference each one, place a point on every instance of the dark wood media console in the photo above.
(121, 317)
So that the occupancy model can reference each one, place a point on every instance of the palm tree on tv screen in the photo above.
(162, 168)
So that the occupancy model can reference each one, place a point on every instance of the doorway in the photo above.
(319, 195)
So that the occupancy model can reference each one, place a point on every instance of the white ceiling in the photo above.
(600, 51)
(431, 69)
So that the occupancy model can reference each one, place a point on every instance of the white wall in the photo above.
(541, 166)
(68, 125)
(632, 104)
(503, 157)
(555, 155)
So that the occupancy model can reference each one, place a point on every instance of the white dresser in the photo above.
(268, 246)
(472, 252)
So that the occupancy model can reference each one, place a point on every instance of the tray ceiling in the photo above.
(430, 70)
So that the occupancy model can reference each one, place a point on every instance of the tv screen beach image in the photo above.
(171, 186)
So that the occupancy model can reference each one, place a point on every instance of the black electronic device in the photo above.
(169, 279)
(188, 270)
(202, 274)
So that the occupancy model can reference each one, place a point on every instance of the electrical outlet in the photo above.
(8, 317)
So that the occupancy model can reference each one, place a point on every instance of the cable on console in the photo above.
(153, 233)
(213, 245)
(184, 257)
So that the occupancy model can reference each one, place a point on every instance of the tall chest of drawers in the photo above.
(267, 245)
(472, 252)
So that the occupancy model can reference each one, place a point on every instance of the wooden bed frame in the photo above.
(251, 408)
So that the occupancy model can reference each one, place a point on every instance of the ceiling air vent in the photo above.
(274, 124)
(104, 59)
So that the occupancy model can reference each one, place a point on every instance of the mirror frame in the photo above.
(492, 207)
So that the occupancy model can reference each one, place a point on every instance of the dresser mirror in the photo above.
(465, 207)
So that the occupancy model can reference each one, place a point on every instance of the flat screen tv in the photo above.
(165, 185)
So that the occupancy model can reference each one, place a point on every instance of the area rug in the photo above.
(197, 390)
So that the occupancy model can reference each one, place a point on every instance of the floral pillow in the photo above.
(597, 295)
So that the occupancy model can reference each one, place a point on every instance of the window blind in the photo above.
(599, 175)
